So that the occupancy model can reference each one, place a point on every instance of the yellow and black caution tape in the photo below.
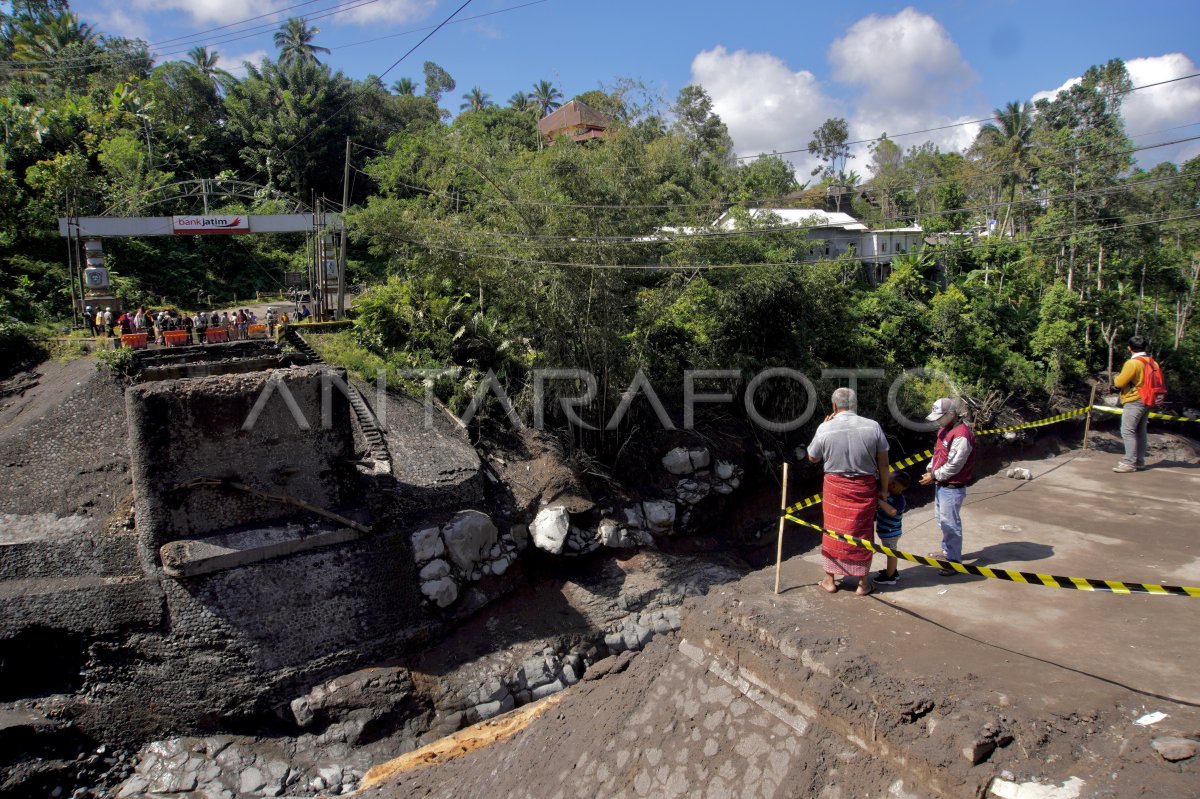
(1153, 414)
(1062, 417)
(912, 460)
(1031, 578)
(903, 463)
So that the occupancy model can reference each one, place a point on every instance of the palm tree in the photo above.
(206, 62)
(1007, 143)
(405, 86)
(294, 40)
(545, 97)
(42, 40)
(520, 102)
(476, 100)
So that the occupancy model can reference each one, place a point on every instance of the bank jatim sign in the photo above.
(210, 224)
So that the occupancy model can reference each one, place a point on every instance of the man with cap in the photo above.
(950, 471)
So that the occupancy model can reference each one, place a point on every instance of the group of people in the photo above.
(863, 497)
(102, 322)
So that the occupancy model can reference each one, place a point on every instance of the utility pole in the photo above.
(341, 287)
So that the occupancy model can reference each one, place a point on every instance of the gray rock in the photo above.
(1174, 749)
(724, 470)
(468, 536)
(427, 544)
(700, 458)
(660, 515)
(550, 528)
(535, 671)
(134, 786)
(520, 535)
(547, 689)
(678, 461)
(441, 592)
(302, 711)
(251, 780)
(613, 535)
(723, 488)
(1020, 474)
(634, 517)
(435, 569)
(492, 689)
(501, 566)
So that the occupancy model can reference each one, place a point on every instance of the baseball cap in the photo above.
(940, 408)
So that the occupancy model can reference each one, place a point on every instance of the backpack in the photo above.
(1152, 391)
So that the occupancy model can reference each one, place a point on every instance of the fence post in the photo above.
(1087, 426)
(782, 507)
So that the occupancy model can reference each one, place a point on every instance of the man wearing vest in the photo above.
(1134, 413)
(950, 471)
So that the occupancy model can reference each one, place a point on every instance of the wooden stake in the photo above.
(779, 547)
(1087, 425)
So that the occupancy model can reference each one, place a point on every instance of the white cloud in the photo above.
(1050, 94)
(224, 12)
(386, 11)
(114, 21)
(764, 103)
(906, 64)
(220, 12)
(1161, 107)
(904, 72)
(1164, 112)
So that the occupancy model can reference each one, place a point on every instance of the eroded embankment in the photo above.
(798, 695)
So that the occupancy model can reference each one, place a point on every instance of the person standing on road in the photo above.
(1134, 413)
(854, 451)
(950, 470)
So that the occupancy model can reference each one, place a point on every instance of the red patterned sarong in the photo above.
(849, 505)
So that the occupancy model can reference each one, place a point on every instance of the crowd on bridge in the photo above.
(171, 327)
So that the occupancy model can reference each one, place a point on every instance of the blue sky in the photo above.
(774, 69)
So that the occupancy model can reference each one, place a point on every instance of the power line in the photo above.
(652, 239)
(71, 62)
(715, 202)
(958, 124)
(856, 259)
(455, 22)
(394, 64)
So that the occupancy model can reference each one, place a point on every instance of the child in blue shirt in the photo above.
(888, 519)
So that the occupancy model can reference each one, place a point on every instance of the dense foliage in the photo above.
(489, 248)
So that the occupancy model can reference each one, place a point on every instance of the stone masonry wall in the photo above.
(180, 430)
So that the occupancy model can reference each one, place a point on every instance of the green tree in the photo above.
(476, 100)
(545, 97)
(284, 122)
(1007, 147)
(520, 102)
(405, 87)
(295, 42)
(437, 81)
(829, 145)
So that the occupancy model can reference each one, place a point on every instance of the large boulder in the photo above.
(441, 592)
(678, 461)
(427, 544)
(469, 536)
(550, 528)
(659, 514)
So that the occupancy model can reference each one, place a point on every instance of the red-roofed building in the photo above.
(577, 120)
